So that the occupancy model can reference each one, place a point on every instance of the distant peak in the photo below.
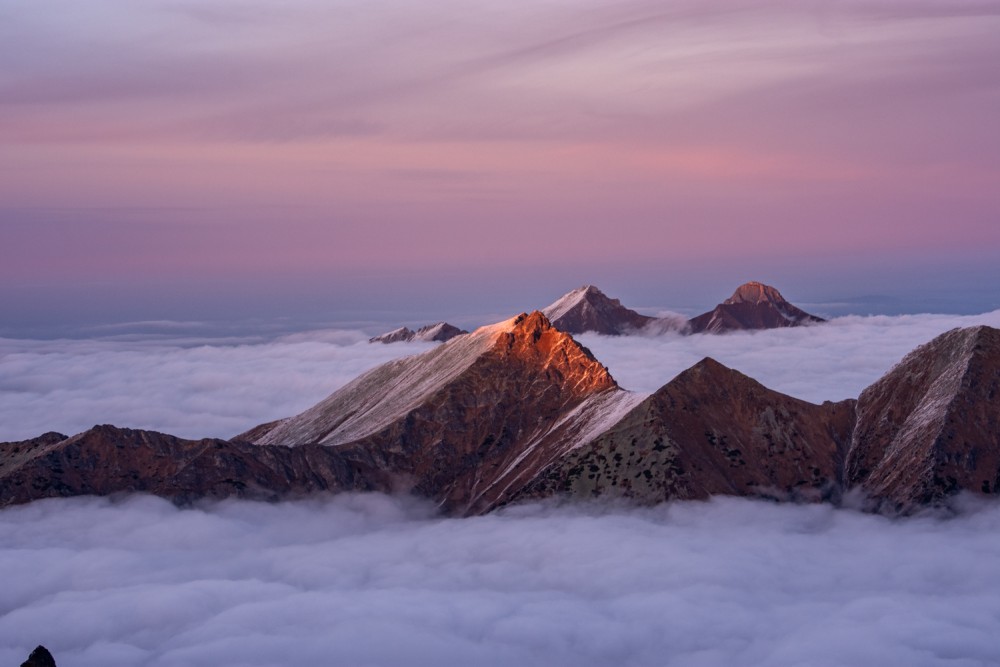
(755, 292)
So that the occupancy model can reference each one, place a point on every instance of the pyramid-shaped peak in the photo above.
(756, 292)
(587, 308)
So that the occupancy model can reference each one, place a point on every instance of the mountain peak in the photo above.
(756, 292)
(587, 308)
(927, 427)
(753, 305)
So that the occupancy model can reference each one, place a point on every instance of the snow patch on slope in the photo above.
(374, 400)
(566, 303)
(576, 428)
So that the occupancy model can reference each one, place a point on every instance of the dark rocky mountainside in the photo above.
(710, 431)
(519, 410)
(931, 426)
(589, 309)
(752, 306)
(432, 333)
(106, 460)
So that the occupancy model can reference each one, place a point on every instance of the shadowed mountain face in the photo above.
(106, 460)
(931, 426)
(709, 431)
(520, 410)
(589, 309)
(752, 306)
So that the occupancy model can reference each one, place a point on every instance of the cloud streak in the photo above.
(379, 581)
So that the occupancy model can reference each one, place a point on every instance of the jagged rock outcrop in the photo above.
(589, 309)
(40, 657)
(931, 426)
(432, 333)
(752, 306)
(710, 431)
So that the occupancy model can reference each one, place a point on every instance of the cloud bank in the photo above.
(372, 580)
(195, 389)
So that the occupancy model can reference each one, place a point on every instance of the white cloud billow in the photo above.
(371, 580)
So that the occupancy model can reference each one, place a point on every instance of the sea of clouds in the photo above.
(373, 580)
(220, 387)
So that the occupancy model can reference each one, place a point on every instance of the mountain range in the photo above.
(587, 309)
(519, 410)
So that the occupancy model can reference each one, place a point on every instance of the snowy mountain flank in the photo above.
(589, 309)
(432, 333)
(519, 411)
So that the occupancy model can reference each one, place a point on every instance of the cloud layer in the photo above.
(370, 580)
(200, 388)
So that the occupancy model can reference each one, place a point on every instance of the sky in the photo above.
(376, 160)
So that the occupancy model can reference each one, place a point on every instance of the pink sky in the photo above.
(141, 141)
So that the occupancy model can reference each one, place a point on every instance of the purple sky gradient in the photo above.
(168, 148)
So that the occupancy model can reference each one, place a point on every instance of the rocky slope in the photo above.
(432, 333)
(752, 306)
(589, 309)
(709, 431)
(931, 426)
(106, 460)
(465, 421)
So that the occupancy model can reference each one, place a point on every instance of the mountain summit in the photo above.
(929, 427)
(465, 421)
(753, 305)
(589, 309)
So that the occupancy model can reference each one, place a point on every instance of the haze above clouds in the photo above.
(195, 389)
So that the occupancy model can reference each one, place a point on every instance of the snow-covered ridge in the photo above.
(373, 400)
(569, 301)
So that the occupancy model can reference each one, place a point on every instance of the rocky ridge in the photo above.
(519, 410)
(931, 426)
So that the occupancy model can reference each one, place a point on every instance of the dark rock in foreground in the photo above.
(40, 657)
